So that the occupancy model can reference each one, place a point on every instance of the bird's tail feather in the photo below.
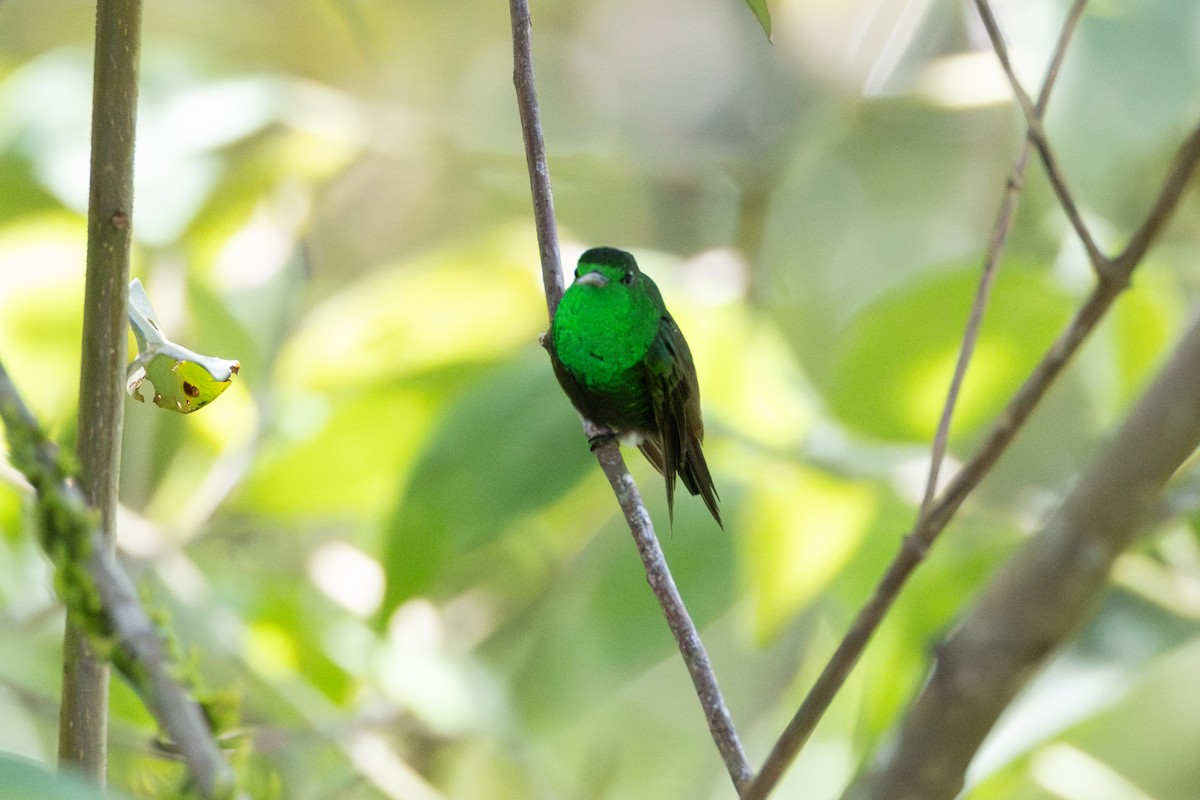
(692, 470)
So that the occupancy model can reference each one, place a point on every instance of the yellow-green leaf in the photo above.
(183, 381)
(184, 385)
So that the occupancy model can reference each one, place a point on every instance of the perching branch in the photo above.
(1113, 278)
(83, 721)
(687, 638)
(1044, 592)
(605, 445)
(101, 599)
(535, 154)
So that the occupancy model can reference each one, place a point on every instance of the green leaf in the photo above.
(759, 7)
(598, 626)
(183, 381)
(291, 479)
(894, 363)
(1144, 324)
(41, 299)
(804, 526)
(508, 448)
(23, 780)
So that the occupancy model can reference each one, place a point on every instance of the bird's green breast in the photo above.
(601, 336)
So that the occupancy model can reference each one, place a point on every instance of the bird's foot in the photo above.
(598, 440)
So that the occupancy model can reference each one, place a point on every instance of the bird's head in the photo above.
(607, 266)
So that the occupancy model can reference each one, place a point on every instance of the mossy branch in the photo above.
(100, 598)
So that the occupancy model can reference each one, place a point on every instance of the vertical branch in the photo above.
(608, 454)
(535, 154)
(83, 721)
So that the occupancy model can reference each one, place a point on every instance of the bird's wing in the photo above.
(675, 402)
(652, 452)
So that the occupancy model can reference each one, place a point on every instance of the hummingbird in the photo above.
(625, 365)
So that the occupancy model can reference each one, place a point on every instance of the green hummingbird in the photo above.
(624, 363)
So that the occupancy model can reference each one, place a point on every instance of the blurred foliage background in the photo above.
(388, 543)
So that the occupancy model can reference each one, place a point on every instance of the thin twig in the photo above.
(1044, 592)
(1084, 320)
(138, 641)
(83, 721)
(720, 724)
(1000, 231)
(1164, 205)
(607, 452)
(916, 544)
(1037, 134)
(535, 154)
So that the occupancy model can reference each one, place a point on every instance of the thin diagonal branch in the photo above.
(917, 543)
(938, 514)
(1044, 592)
(1037, 134)
(1085, 319)
(607, 452)
(1000, 231)
(695, 657)
(71, 530)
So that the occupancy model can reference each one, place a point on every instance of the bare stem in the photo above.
(1037, 134)
(83, 720)
(1000, 231)
(695, 657)
(607, 452)
(535, 154)
(1043, 593)
(938, 514)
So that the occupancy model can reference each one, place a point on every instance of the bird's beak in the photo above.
(592, 279)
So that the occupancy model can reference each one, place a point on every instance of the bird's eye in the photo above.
(627, 278)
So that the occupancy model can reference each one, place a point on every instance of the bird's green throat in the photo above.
(604, 330)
